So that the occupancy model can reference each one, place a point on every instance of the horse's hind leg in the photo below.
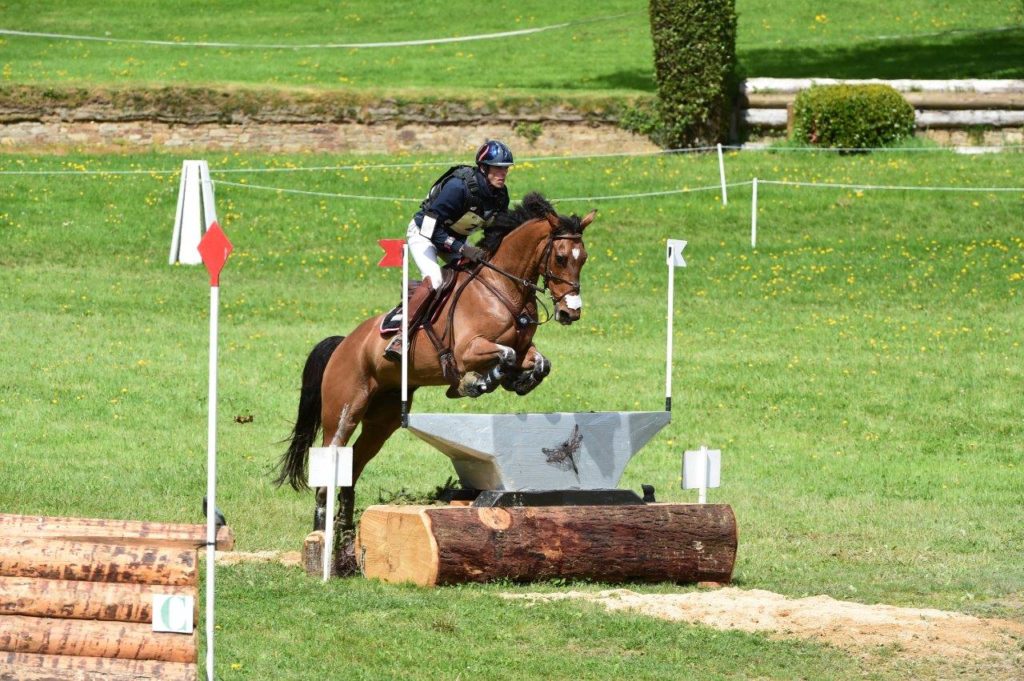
(382, 418)
(338, 425)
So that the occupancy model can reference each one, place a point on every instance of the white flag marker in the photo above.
(674, 259)
(330, 467)
(702, 469)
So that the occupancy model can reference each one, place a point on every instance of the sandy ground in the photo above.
(289, 558)
(993, 648)
(922, 633)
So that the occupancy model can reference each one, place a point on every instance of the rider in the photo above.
(461, 201)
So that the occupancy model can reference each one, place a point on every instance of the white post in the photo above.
(211, 482)
(674, 258)
(702, 491)
(721, 175)
(405, 333)
(330, 467)
(668, 343)
(213, 249)
(209, 207)
(329, 525)
(179, 214)
(753, 216)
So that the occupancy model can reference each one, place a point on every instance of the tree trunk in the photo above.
(430, 545)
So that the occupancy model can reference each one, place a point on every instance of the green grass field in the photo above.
(605, 50)
(860, 369)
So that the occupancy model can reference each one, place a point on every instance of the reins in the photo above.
(547, 275)
(522, 320)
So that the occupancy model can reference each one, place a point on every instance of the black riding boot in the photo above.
(417, 302)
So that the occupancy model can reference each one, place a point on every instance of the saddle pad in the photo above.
(391, 323)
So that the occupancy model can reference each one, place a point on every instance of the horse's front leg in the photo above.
(535, 368)
(487, 364)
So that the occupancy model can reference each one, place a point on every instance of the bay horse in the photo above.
(488, 321)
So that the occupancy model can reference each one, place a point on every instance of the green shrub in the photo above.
(695, 68)
(851, 116)
(641, 120)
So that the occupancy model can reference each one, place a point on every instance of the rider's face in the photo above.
(496, 176)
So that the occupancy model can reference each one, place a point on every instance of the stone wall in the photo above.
(353, 138)
(193, 120)
(555, 139)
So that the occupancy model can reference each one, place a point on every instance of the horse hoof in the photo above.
(345, 563)
(468, 384)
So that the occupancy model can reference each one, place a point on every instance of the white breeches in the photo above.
(424, 254)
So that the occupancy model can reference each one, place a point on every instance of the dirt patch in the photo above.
(918, 633)
(287, 558)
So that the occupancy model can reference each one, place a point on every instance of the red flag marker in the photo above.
(392, 252)
(214, 249)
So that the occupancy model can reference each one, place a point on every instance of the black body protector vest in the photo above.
(481, 206)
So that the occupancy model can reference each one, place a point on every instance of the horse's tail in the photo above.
(307, 423)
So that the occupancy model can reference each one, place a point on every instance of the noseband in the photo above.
(548, 276)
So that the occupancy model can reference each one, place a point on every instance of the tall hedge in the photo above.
(695, 68)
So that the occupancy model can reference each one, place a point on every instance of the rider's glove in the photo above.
(472, 253)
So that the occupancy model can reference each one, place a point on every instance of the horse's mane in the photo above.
(533, 207)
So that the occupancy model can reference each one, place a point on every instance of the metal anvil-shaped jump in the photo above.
(556, 451)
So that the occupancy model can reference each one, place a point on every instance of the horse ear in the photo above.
(587, 219)
(554, 220)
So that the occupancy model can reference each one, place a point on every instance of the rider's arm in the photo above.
(450, 205)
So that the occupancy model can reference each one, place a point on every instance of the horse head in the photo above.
(563, 259)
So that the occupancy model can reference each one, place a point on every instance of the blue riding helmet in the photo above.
(494, 153)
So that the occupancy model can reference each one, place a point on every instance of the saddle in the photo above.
(391, 323)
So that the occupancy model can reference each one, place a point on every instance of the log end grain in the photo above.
(395, 544)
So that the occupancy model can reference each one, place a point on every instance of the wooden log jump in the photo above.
(122, 532)
(76, 597)
(33, 667)
(431, 545)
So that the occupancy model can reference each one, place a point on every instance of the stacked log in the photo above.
(76, 597)
(768, 102)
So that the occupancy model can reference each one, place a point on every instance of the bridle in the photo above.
(547, 275)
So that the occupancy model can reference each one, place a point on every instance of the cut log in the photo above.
(124, 640)
(919, 100)
(962, 119)
(58, 559)
(34, 667)
(967, 85)
(429, 545)
(179, 535)
(83, 600)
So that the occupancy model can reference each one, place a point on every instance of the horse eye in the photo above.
(561, 260)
